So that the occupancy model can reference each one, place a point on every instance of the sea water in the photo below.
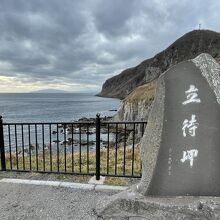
(63, 107)
(58, 108)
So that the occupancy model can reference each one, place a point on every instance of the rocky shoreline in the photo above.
(79, 135)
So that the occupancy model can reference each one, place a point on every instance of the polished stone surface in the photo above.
(180, 150)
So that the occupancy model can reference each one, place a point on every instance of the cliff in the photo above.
(136, 105)
(187, 47)
(217, 57)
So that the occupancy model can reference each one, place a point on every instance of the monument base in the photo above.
(130, 205)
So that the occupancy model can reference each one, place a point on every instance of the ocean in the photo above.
(62, 107)
(50, 107)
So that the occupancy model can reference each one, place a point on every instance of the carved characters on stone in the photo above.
(191, 95)
(189, 155)
(190, 126)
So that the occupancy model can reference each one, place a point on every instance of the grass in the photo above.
(119, 162)
(144, 93)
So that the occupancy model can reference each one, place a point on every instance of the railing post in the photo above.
(98, 126)
(2, 145)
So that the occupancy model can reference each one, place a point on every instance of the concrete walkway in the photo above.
(84, 186)
(38, 200)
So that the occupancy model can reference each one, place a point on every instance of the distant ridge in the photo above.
(49, 91)
(186, 47)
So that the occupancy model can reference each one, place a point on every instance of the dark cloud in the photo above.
(85, 42)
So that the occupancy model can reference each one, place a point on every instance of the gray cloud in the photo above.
(85, 42)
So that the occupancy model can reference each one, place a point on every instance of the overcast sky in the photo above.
(76, 45)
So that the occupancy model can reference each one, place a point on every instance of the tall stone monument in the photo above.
(180, 149)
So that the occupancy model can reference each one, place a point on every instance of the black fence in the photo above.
(95, 147)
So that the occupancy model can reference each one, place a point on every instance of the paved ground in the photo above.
(19, 201)
(23, 201)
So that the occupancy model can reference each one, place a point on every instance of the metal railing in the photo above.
(86, 147)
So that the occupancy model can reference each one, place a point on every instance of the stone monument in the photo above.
(180, 149)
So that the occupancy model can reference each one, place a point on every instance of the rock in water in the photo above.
(180, 149)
